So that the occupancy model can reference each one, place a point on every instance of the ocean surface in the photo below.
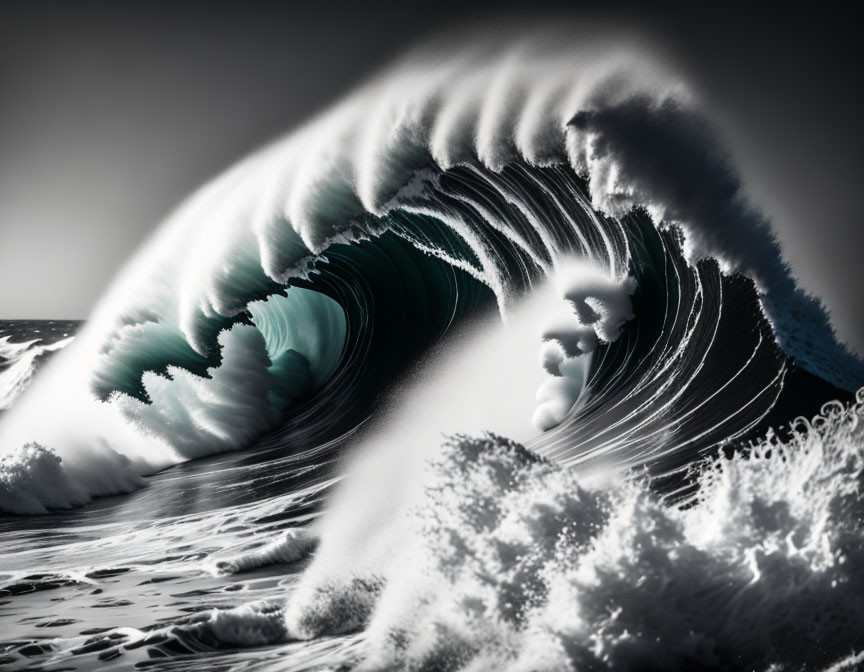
(74, 585)
(492, 365)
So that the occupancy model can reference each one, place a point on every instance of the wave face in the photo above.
(390, 272)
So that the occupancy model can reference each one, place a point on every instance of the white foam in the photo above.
(33, 479)
(510, 562)
(601, 305)
(291, 546)
(247, 625)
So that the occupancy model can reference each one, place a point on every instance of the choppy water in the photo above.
(24, 347)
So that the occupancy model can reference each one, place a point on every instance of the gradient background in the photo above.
(111, 113)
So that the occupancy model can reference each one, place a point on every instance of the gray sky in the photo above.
(111, 113)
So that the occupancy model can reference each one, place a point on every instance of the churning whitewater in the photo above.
(494, 364)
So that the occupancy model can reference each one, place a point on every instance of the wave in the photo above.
(285, 296)
(538, 241)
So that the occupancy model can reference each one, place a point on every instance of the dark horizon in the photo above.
(113, 114)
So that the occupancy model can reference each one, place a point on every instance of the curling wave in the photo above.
(286, 295)
(390, 272)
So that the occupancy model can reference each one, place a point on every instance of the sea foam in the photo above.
(34, 479)
(600, 306)
(513, 562)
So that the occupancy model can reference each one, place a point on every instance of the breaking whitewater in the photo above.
(493, 365)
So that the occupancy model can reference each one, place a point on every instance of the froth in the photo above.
(511, 562)
(600, 305)
(34, 479)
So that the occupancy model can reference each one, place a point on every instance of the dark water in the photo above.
(47, 331)
(25, 345)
